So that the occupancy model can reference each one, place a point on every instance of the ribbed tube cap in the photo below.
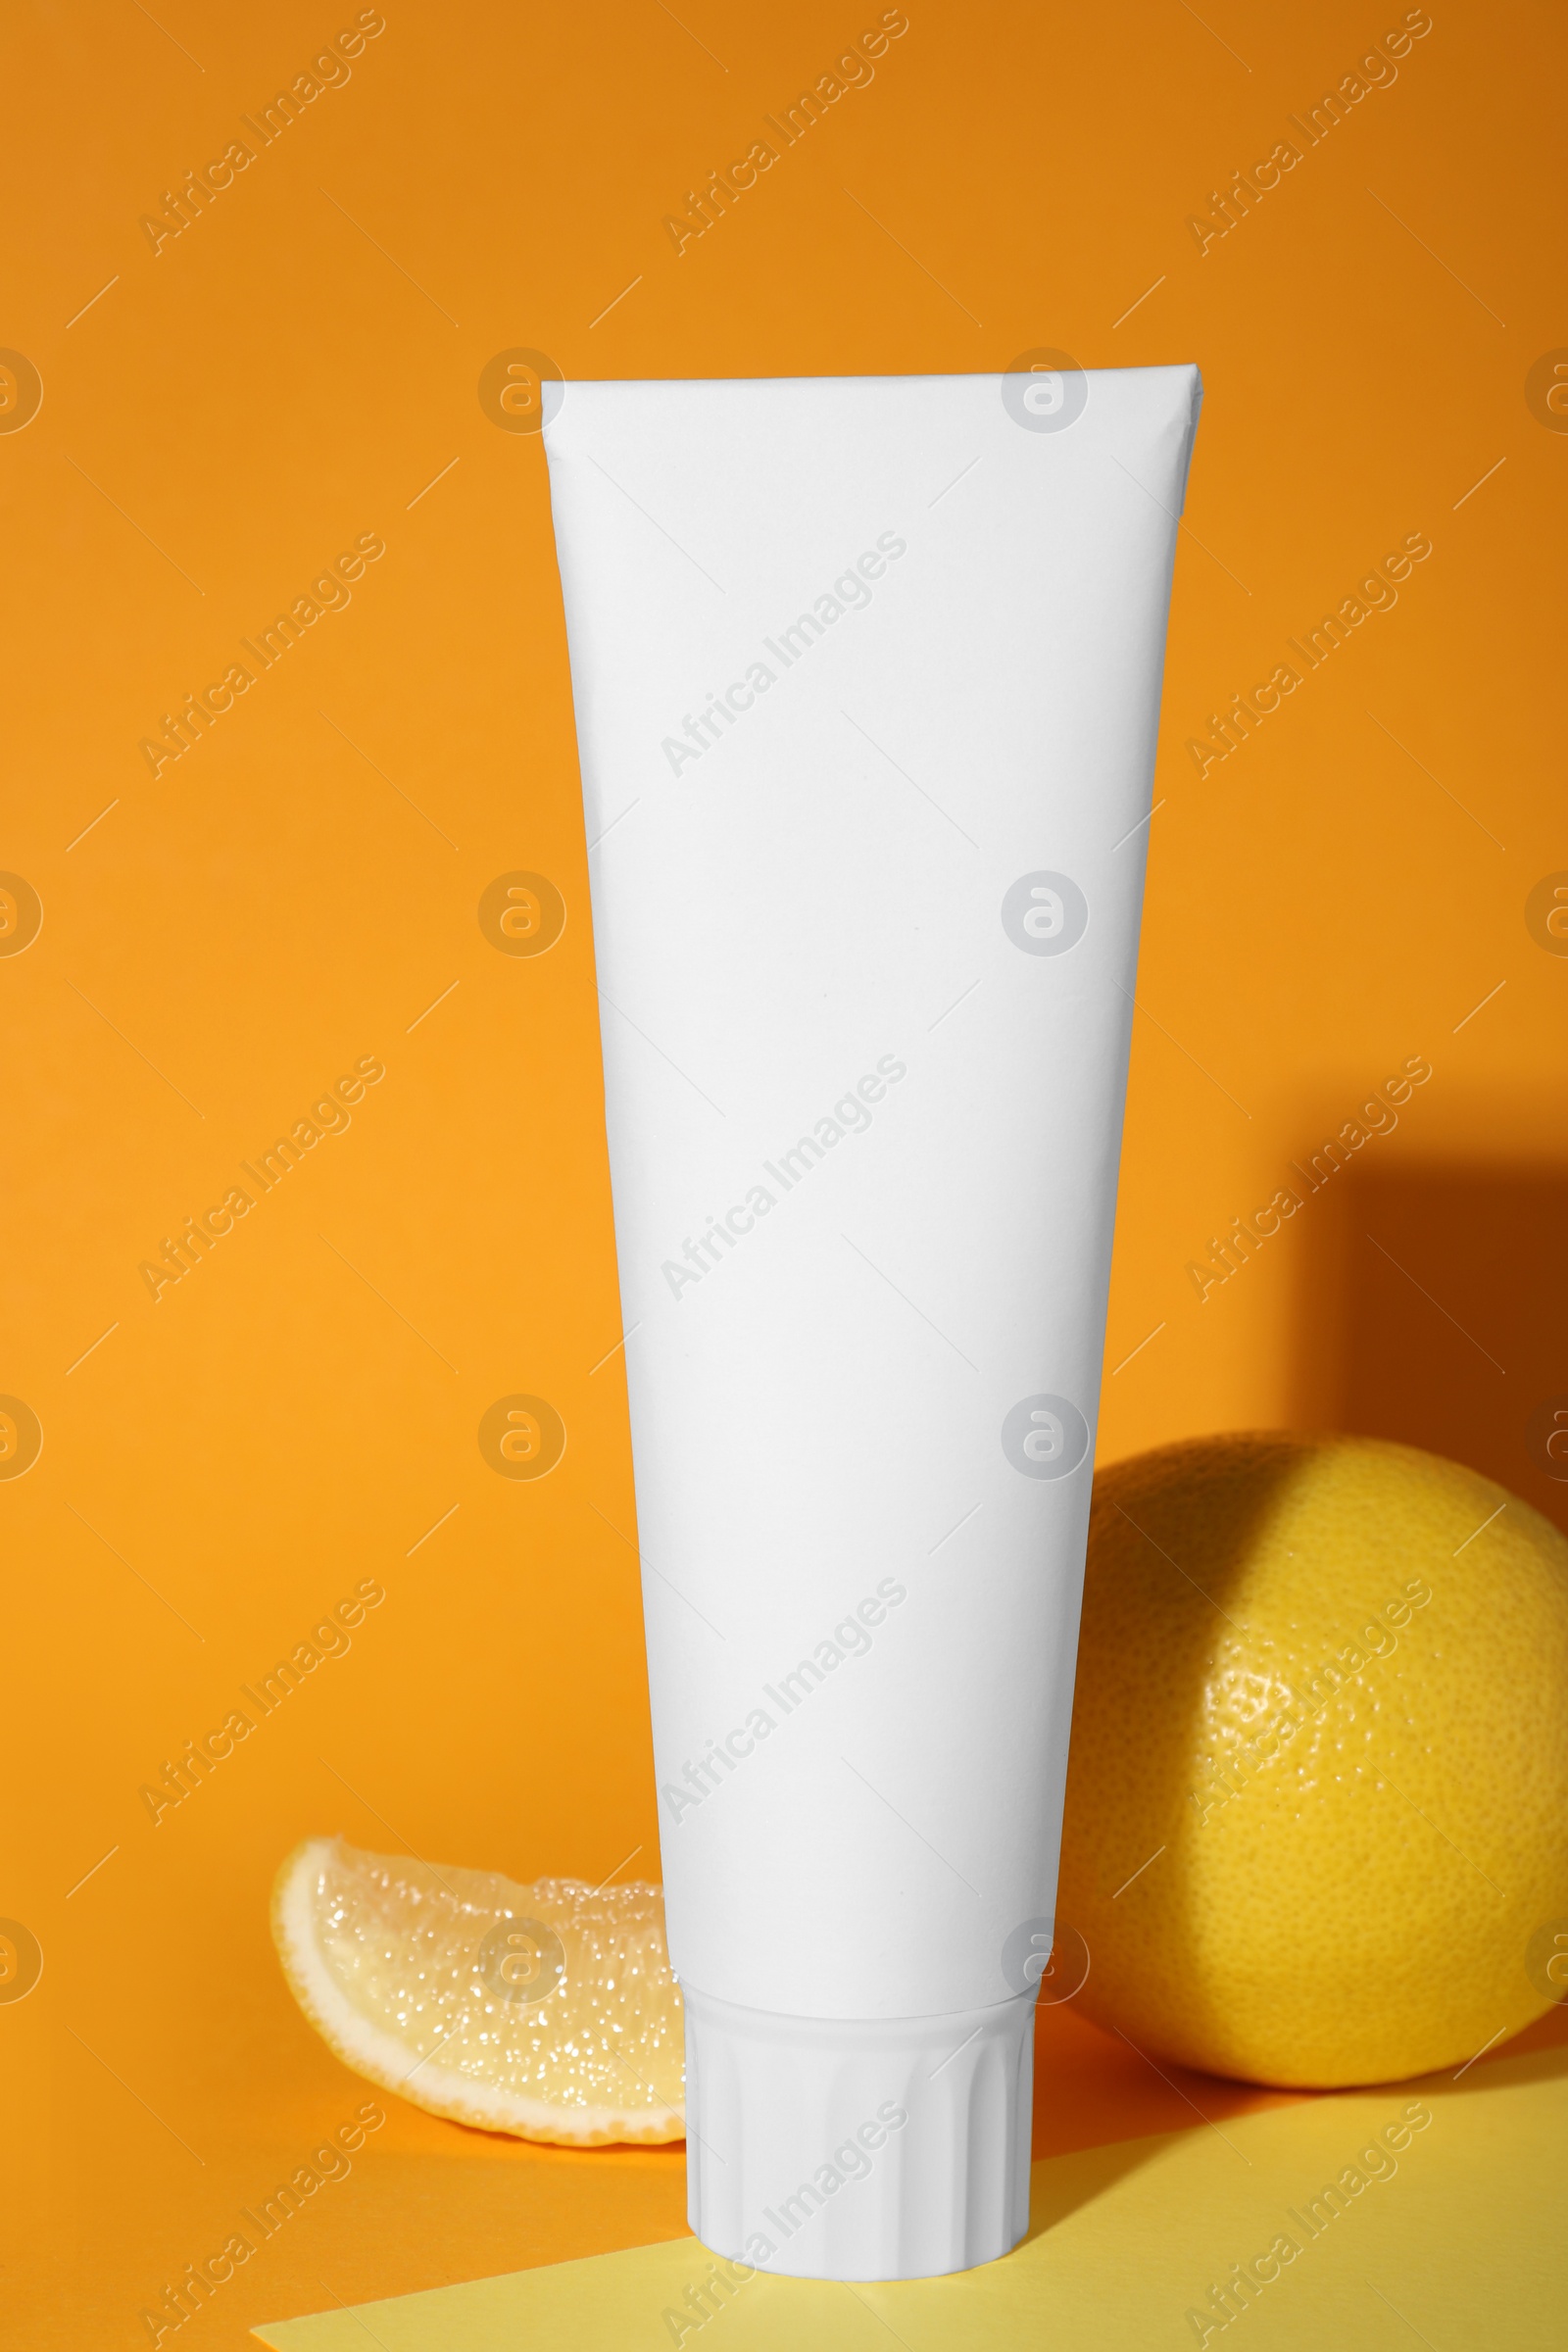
(858, 2148)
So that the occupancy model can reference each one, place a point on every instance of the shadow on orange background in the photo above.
(1445, 1289)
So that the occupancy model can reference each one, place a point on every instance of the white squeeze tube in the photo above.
(866, 674)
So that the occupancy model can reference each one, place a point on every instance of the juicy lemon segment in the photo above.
(548, 2011)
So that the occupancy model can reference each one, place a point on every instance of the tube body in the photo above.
(866, 674)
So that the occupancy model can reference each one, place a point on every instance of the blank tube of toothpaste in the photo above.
(866, 674)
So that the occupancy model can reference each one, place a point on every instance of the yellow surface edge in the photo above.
(1455, 2237)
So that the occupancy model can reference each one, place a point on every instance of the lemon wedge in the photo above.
(547, 2011)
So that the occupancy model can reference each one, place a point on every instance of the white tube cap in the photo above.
(858, 2148)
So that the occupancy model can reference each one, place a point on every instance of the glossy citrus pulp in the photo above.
(548, 2011)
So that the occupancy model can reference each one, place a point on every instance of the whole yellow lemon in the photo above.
(1317, 1807)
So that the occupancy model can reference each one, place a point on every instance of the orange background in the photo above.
(298, 368)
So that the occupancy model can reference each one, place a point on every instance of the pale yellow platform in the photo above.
(1462, 2247)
